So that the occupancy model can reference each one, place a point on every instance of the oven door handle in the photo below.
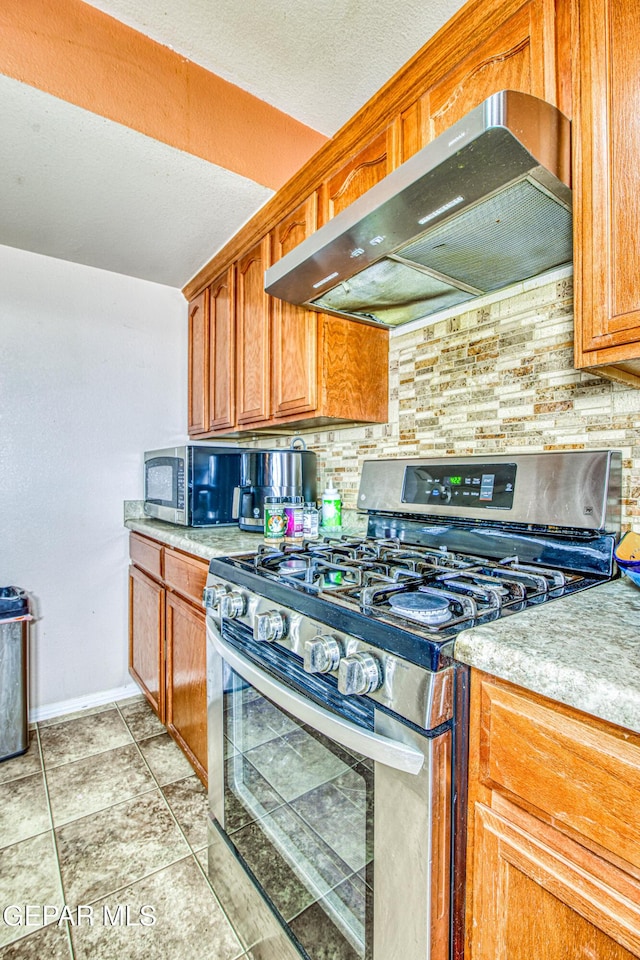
(393, 753)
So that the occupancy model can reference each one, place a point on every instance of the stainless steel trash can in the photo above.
(14, 634)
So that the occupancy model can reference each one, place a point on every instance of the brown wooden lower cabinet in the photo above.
(538, 894)
(167, 641)
(146, 637)
(553, 869)
(186, 703)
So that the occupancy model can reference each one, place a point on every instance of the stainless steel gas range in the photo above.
(337, 713)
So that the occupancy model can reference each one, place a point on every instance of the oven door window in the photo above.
(299, 811)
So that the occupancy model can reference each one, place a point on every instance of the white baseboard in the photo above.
(82, 703)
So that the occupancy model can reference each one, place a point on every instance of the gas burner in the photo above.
(422, 607)
(293, 565)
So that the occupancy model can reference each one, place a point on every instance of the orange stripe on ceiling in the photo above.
(79, 54)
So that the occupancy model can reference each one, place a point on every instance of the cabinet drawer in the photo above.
(185, 575)
(146, 554)
(584, 774)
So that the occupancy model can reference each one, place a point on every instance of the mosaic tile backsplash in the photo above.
(497, 379)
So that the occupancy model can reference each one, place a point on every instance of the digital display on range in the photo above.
(478, 485)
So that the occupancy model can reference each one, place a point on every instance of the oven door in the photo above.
(345, 831)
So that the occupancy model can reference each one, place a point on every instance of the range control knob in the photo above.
(321, 654)
(359, 673)
(212, 595)
(232, 605)
(269, 626)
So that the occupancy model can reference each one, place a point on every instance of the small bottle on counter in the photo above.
(274, 521)
(310, 521)
(287, 506)
(331, 507)
(294, 521)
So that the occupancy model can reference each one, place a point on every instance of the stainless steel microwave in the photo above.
(191, 485)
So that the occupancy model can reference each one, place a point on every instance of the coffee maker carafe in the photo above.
(272, 473)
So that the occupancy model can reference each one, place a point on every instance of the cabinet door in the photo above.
(518, 55)
(222, 353)
(537, 894)
(253, 337)
(295, 331)
(606, 187)
(146, 637)
(186, 709)
(199, 364)
(371, 164)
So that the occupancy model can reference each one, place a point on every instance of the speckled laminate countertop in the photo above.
(582, 650)
(224, 541)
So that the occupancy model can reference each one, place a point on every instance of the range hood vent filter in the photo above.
(518, 233)
(399, 293)
(474, 211)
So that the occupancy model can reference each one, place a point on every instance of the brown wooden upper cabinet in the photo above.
(253, 341)
(295, 330)
(514, 57)
(198, 412)
(369, 165)
(326, 370)
(606, 145)
(222, 381)
(230, 350)
(271, 366)
(258, 364)
(514, 50)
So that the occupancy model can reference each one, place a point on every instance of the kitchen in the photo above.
(510, 384)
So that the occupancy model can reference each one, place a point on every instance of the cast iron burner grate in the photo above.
(437, 588)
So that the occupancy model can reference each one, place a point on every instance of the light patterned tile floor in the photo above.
(103, 829)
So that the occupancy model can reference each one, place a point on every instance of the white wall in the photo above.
(92, 372)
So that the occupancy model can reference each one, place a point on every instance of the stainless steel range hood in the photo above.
(484, 205)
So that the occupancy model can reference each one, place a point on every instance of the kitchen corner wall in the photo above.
(496, 379)
(93, 372)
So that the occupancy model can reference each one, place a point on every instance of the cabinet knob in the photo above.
(358, 674)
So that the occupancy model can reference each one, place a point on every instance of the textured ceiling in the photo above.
(82, 188)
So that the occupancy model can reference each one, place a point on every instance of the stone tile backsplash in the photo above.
(497, 379)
